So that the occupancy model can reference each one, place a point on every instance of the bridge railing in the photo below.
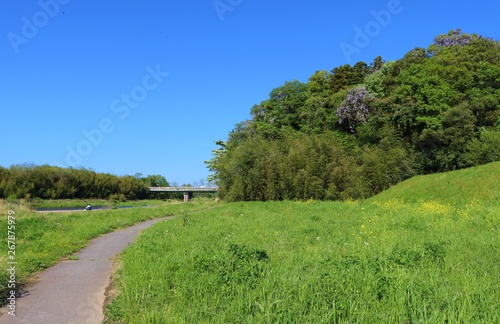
(182, 189)
(187, 191)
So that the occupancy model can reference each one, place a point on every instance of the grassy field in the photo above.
(40, 204)
(425, 251)
(42, 239)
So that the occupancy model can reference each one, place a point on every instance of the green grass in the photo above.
(21, 206)
(42, 239)
(68, 203)
(58, 203)
(480, 184)
(407, 256)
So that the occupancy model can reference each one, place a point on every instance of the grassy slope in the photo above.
(432, 258)
(481, 183)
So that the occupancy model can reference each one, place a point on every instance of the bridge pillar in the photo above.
(187, 195)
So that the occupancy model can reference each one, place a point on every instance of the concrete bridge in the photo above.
(187, 191)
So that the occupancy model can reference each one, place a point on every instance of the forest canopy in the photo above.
(354, 131)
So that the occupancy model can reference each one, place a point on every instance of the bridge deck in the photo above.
(187, 191)
(182, 189)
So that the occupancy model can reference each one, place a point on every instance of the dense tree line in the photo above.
(49, 182)
(356, 130)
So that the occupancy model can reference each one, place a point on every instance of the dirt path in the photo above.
(74, 291)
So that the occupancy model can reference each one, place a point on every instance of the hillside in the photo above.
(354, 131)
(480, 184)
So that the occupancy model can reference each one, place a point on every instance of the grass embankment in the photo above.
(42, 239)
(406, 256)
(479, 184)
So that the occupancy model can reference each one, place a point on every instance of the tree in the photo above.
(453, 38)
(374, 82)
(484, 149)
(356, 108)
(347, 76)
(432, 110)
(281, 110)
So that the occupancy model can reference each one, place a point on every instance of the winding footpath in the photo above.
(74, 291)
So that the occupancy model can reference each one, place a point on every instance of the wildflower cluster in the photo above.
(436, 208)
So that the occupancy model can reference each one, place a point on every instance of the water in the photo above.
(60, 209)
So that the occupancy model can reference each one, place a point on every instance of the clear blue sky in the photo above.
(148, 86)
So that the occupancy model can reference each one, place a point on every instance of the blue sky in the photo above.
(148, 86)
